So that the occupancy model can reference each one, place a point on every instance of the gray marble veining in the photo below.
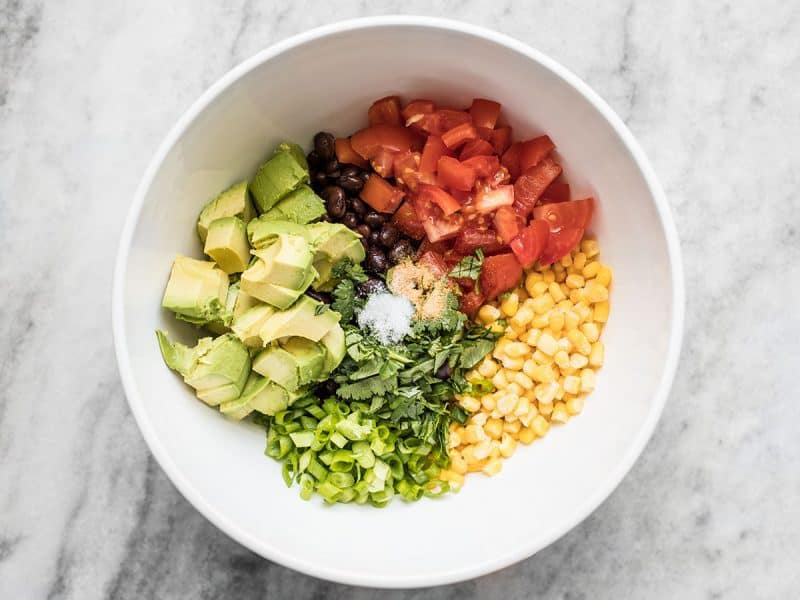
(88, 89)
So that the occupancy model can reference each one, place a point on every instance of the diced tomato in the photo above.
(484, 113)
(476, 148)
(531, 184)
(406, 169)
(383, 163)
(560, 244)
(346, 155)
(484, 166)
(435, 194)
(563, 215)
(556, 192)
(507, 223)
(459, 134)
(440, 121)
(405, 219)
(530, 242)
(488, 200)
(533, 151)
(437, 226)
(501, 139)
(385, 111)
(500, 273)
(473, 237)
(510, 159)
(434, 149)
(484, 133)
(470, 302)
(442, 247)
(454, 174)
(465, 283)
(500, 177)
(434, 263)
(381, 195)
(368, 142)
(415, 109)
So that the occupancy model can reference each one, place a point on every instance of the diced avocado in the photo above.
(197, 291)
(307, 318)
(263, 231)
(310, 358)
(272, 399)
(284, 263)
(335, 348)
(217, 369)
(243, 302)
(282, 297)
(241, 407)
(300, 206)
(227, 244)
(324, 264)
(333, 242)
(218, 327)
(278, 365)
(281, 174)
(233, 202)
(247, 326)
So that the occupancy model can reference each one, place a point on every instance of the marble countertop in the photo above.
(87, 91)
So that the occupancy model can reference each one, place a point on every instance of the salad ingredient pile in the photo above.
(341, 291)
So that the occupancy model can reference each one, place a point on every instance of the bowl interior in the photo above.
(327, 84)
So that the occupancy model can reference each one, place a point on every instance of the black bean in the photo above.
(374, 238)
(363, 231)
(374, 219)
(319, 296)
(444, 371)
(318, 180)
(376, 260)
(326, 389)
(365, 243)
(351, 183)
(314, 161)
(389, 235)
(325, 145)
(359, 207)
(351, 170)
(332, 168)
(335, 203)
(365, 175)
(371, 286)
(350, 220)
(402, 250)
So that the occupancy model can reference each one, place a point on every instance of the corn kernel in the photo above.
(479, 418)
(561, 276)
(523, 317)
(576, 296)
(574, 405)
(467, 455)
(543, 374)
(597, 355)
(560, 393)
(595, 292)
(556, 292)
(532, 413)
(510, 333)
(456, 478)
(510, 304)
(530, 279)
(542, 358)
(543, 303)
(457, 462)
(566, 260)
(481, 450)
(507, 445)
(591, 331)
(590, 248)
(492, 467)
(571, 320)
(572, 384)
(514, 364)
(579, 261)
(488, 403)
(601, 310)
(604, 276)
(545, 392)
(529, 367)
(547, 344)
(488, 314)
(565, 345)
(575, 281)
(578, 361)
(541, 321)
(532, 337)
(477, 465)
(514, 388)
(556, 322)
(507, 404)
(475, 434)
(523, 380)
(493, 428)
(540, 426)
(523, 407)
(527, 435)
(538, 288)
(499, 380)
(565, 305)
(579, 342)
(472, 376)
(470, 404)
(587, 380)
(549, 276)
(487, 368)
(454, 440)
(545, 408)
(561, 358)
(516, 349)
(560, 414)
(591, 269)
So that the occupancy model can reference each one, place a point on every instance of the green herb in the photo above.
(469, 267)
(345, 301)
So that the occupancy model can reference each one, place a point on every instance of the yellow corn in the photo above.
(488, 314)
(454, 440)
(514, 364)
(584, 311)
(571, 320)
(523, 407)
(479, 418)
(507, 404)
(595, 292)
(510, 304)
(604, 276)
(492, 467)
(591, 331)
(574, 405)
(540, 426)
(541, 321)
(523, 380)
(482, 449)
(549, 276)
(514, 388)
(527, 435)
(523, 316)
(488, 403)
(545, 409)
(590, 248)
(578, 361)
(587, 380)
(601, 310)
(575, 281)
(556, 322)
(499, 380)
(572, 384)
(493, 428)
(516, 349)
(556, 292)
(547, 344)
(597, 355)
(542, 358)
(560, 414)
(591, 269)
(475, 434)
(579, 341)
(457, 462)
(579, 261)
(561, 359)
(545, 392)
(512, 427)
(507, 445)
(470, 404)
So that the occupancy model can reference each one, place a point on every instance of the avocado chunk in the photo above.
(307, 318)
(334, 242)
(281, 174)
(240, 407)
(197, 291)
(263, 231)
(217, 369)
(335, 348)
(282, 297)
(218, 327)
(243, 302)
(310, 358)
(292, 363)
(286, 263)
(272, 399)
(227, 244)
(247, 326)
(300, 206)
(233, 202)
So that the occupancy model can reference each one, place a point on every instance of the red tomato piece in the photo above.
(488, 200)
(434, 149)
(531, 184)
(434, 262)
(484, 113)
(484, 133)
(414, 110)
(484, 166)
(383, 163)
(476, 148)
(533, 151)
(530, 242)
(449, 118)
(406, 169)
(368, 142)
(472, 237)
(442, 247)
(506, 223)
(500, 273)
(346, 155)
(454, 174)
(440, 198)
(564, 215)
(437, 226)
(405, 219)
(510, 159)
(470, 302)
(385, 111)
(381, 195)
(501, 139)
(560, 244)
(556, 192)
(459, 134)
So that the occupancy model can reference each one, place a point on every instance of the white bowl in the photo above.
(324, 80)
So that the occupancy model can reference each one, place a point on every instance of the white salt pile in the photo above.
(387, 316)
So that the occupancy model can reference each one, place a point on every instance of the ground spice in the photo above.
(423, 288)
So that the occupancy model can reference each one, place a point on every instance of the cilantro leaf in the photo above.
(468, 267)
